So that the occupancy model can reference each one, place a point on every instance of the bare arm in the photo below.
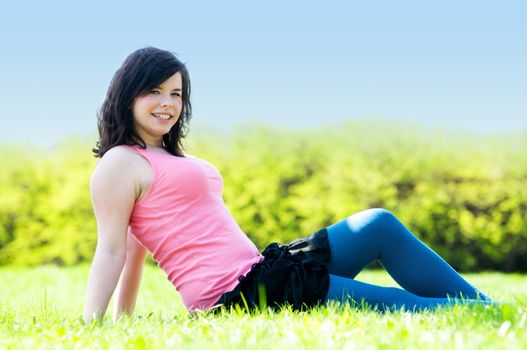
(113, 193)
(130, 279)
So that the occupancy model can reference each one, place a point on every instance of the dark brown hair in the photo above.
(141, 71)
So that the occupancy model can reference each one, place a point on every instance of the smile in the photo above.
(162, 116)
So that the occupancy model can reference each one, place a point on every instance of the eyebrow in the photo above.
(177, 89)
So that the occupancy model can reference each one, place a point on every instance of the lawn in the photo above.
(41, 308)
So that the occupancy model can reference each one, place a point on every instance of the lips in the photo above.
(162, 116)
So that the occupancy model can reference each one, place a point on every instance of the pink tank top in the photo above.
(183, 221)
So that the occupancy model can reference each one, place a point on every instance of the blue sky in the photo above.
(459, 64)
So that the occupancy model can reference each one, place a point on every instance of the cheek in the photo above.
(179, 108)
(143, 103)
(178, 102)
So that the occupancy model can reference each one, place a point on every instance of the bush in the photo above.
(461, 193)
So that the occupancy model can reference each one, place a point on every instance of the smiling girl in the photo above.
(150, 196)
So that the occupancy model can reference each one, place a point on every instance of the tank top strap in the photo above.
(149, 156)
(138, 150)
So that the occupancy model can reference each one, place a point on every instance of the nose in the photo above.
(166, 102)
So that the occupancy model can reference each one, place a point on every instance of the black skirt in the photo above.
(294, 274)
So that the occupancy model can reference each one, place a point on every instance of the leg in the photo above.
(384, 298)
(376, 234)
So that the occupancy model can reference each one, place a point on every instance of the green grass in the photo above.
(41, 308)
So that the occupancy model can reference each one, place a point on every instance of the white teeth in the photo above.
(162, 116)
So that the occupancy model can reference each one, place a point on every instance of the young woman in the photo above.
(148, 195)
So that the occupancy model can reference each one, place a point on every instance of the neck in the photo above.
(153, 143)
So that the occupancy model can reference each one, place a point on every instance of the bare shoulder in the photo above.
(122, 157)
(120, 154)
(122, 166)
(117, 164)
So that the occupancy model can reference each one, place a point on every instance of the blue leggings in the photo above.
(376, 234)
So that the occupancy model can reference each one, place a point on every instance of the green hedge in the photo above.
(463, 194)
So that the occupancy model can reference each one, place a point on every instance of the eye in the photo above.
(176, 94)
(153, 91)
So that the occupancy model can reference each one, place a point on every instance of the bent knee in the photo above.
(374, 215)
(381, 213)
(374, 221)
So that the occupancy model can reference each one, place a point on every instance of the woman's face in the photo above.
(157, 111)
